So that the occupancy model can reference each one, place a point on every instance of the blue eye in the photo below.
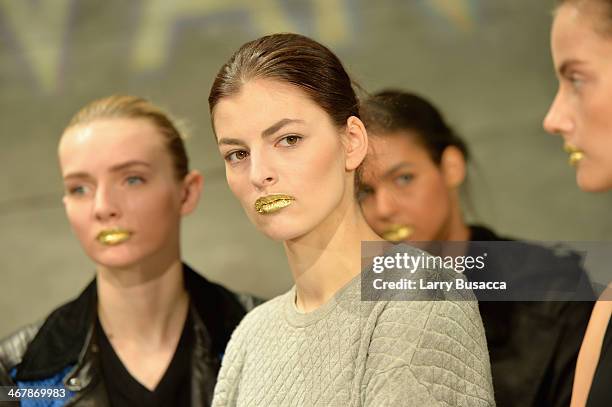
(404, 179)
(576, 80)
(289, 141)
(77, 190)
(134, 180)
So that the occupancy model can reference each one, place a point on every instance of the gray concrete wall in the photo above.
(486, 63)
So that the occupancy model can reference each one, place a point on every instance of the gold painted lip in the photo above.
(273, 203)
(575, 154)
(397, 233)
(113, 237)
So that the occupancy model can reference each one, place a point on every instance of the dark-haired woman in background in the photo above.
(581, 42)
(410, 190)
(287, 124)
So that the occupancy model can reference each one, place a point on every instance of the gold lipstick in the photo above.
(575, 155)
(272, 203)
(397, 233)
(113, 237)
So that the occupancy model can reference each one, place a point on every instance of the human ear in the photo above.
(453, 166)
(355, 143)
(191, 190)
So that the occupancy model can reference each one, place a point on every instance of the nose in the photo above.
(385, 203)
(106, 207)
(557, 121)
(262, 174)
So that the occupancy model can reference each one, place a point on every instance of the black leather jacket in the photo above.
(66, 340)
(533, 345)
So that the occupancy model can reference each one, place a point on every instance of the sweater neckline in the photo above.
(300, 319)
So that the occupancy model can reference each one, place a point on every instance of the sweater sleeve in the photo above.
(428, 353)
(228, 381)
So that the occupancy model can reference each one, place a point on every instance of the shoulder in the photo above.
(445, 322)
(52, 344)
(434, 348)
(259, 319)
(262, 318)
(263, 314)
(14, 346)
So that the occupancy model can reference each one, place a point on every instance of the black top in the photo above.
(533, 345)
(600, 394)
(63, 348)
(125, 391)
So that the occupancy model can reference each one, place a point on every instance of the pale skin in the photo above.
(118, 174)
(581, 113)
(275, 139)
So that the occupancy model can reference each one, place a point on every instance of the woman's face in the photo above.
(121, 194)
(284, 158)
(402, 186)
(582, 109)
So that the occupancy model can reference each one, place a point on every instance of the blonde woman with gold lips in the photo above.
(148, 330)
(287, 123)
(581, 43)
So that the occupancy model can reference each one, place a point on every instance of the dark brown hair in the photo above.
(394, 110)
(132, 107)
(296, 60)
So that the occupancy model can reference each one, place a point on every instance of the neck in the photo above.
(146, 303)
(456, 229)
(326, 259)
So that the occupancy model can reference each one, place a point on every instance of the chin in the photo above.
(592, 182)
(116, 260)
(280, 231)
(279, 234)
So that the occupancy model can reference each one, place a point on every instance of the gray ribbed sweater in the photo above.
(357, 353)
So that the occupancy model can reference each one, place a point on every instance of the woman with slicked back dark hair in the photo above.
(410, 191)
(286, 119)
(581, 42)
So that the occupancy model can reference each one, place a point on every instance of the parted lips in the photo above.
(575, 155)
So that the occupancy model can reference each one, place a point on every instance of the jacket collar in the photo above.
(65, 337)
(480, 233)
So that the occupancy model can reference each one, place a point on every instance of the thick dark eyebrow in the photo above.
(396, 167)
(114, 168)
(231, 141)
(279, 125)
(266, 133)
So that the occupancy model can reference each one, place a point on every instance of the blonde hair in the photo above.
(133, 107)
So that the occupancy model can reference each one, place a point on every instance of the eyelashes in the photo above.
(403, 179)
(81, 190)
(135, 180)
(236, 156)
(78, 190)
(287, 141)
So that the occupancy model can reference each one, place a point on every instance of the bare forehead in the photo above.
(263, 101)
(576, 19)
(111, 139)
(138, 131)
